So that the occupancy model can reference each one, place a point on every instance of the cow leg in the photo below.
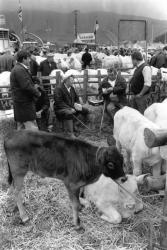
(18, 182)
(74, 198)
(137, 166)
(156, 169)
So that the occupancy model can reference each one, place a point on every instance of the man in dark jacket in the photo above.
(24, 93)
(33, 64)
(86, 59)
(113, 91)
(42, 107)
(45, 69)
(67, 104)
(160, 60)
(140, 83)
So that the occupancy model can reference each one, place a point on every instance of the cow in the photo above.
(76, 162)
(157, 114)
(129, 125)
(113, 202)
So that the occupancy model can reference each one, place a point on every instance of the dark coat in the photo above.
(63, 99)
(33, 67)
(159, 61)
(24, 94)
(119, 89)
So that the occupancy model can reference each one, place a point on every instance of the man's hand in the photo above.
(38, 114)
(107, 91)
(78, 106)
(138, 96)
(73, 111)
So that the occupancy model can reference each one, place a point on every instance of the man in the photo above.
(45, 69)
(113, 91)
(7, 62)
(42, 107)
(67, 105)
(24, 93)
(33, 64)
(86, 59)
(160, 60)
(140, 82)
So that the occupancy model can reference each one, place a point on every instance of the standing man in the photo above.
(7, 62)
(140, 83)
(24, 93)
(86, 59)
(45, 69)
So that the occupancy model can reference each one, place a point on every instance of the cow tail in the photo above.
(10, 177)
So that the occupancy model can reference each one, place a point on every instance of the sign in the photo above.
(2, 20)
(86, 37)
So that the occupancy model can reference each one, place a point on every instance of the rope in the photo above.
(147, 206)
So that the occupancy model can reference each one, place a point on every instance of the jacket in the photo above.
(119, 89)
(63, 99)
(23, 93)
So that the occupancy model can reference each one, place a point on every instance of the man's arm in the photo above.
(147, 74)
(58, 100)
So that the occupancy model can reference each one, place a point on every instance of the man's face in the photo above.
(50, 58)
(26, 61)
(165, 52)
(134, 61)
(112, 75)
(69, 82)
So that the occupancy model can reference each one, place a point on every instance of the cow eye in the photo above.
(110, 165)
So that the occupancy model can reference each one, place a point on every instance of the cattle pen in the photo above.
(46, 200)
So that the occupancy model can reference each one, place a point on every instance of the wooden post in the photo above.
(99, 77)
(155, 139)
(58, 78)
(85, 85)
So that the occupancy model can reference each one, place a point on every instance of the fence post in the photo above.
(85, 85)
(99, 77)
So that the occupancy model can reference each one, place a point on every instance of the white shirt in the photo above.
(112, 83)
(147, 74)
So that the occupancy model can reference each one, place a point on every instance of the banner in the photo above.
(86, 37)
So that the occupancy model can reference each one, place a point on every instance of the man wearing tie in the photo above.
(67, 104)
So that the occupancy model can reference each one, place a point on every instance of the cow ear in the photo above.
(110, 165)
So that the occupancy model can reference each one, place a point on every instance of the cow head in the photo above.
(112, 162)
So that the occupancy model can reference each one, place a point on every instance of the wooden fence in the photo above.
(82, 86)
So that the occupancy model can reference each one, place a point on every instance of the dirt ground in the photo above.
(50, 226)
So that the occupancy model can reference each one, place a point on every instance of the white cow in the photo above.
(157, 113)
(129, 125)
(113, 202)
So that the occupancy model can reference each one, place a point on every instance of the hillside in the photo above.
(59, 27)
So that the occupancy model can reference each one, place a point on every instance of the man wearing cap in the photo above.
(160, 59)
(45, 69)
(140, 82)
(113, 91)
(67, 104)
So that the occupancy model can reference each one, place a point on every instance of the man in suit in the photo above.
(24, 93)
(67, 104)
(113, 91)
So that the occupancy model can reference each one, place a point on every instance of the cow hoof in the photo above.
(79, 229)
(25, 219)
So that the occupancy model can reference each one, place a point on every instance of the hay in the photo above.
(50, 226)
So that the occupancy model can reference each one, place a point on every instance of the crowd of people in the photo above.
(30, 95)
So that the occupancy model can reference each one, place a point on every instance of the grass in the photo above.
(50, 226)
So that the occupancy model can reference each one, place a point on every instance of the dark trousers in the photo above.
(139, 103)
(43, 121)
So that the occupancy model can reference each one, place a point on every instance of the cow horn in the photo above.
(141, 179)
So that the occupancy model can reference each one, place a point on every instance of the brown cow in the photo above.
(76, 162)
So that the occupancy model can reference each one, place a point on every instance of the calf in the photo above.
(113, 202)
(77, 163)
(129, 127)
